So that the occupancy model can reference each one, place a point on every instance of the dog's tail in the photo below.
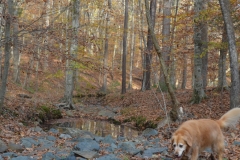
(230, 118)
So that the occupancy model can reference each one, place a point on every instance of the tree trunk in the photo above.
(165, 40)
(184, 72)
(234, 93)
(174, 114)
(132, 47)
(2, 11)
(105, 60)
(222, 81)
(204, 39)
(45, 40)
(198, 92)
(143, 45)
(149, 49)
(16, 55)
(8, 19)
(28, 71)
(71, 69)
(172, 69)
(125, 34)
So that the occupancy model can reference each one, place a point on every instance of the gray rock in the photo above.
(128, 147)
(46, 143)
(149, 132)
(86, 154)
(108, 139)
(155, 140)
(236, 143)
(28, 142)
(49, 156)
(106, 113)
(51, 138)
(55, 131)
(111, 148)
(65, 136)
(3, 146)
(62, 153)
(87, 145)
(38, 129)
(15, 147)
(98, 139)
(148, 153)
(23, 158)
(69, 158)
(108, 157)
(1, 158)
(9, 155)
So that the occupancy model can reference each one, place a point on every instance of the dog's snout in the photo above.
(176, 155)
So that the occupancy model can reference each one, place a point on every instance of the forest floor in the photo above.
(21, 106)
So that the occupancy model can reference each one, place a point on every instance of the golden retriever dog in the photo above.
(193, 136)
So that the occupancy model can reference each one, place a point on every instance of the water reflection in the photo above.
(100, 128)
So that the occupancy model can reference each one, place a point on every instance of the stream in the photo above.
(97, 127)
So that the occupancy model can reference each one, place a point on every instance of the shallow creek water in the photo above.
(97, 127)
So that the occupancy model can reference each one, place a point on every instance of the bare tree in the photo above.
(132, 46)
(16, 54)
(166, 39)
(71, 68)
(198, 92)
(148, 53)
(222, 81)
(105, 60)
(2, 11)
(204, 39)
(234, 92)
(47, 10)
(8, 18)
(124, 56)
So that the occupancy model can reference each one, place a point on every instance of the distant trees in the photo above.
(53, 45)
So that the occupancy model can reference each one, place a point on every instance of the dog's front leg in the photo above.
(195, 151)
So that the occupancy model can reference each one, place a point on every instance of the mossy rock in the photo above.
(141, 122)
(46, 113)
(56, 113)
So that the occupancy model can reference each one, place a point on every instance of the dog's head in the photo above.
(181, 143)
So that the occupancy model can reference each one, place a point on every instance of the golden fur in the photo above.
(194, 136)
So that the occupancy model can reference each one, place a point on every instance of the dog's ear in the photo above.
(172, 139)
(188, 139)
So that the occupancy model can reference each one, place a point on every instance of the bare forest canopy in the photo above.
(43, 34)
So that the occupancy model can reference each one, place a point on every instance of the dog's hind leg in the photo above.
(220, 149)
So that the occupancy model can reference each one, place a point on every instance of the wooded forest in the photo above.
(182, 44)
(56, 52)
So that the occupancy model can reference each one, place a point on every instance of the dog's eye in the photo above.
(180, 145)
(174, 145)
